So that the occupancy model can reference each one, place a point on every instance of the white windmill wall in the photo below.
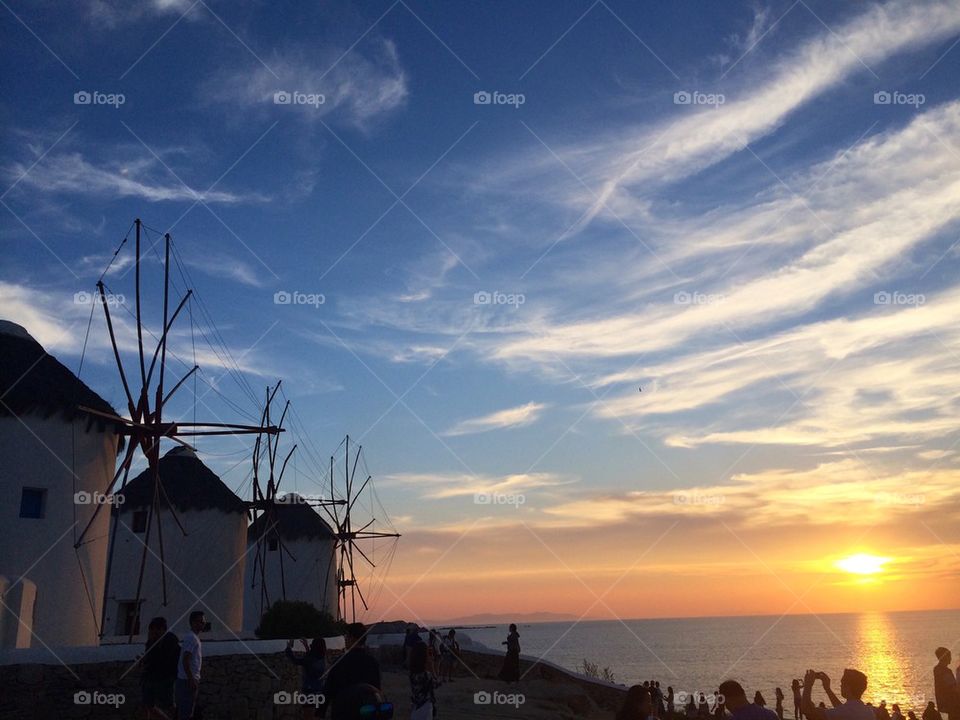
(208, 562)
(62, 457)
(311, 578)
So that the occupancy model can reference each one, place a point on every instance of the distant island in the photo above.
(494, 619)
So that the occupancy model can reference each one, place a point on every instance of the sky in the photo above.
(636, 310)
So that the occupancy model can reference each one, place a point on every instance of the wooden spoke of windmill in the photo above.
(266, 505)
(146, 426)
(347, 537)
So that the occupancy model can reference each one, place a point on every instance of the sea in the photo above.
(895, 650)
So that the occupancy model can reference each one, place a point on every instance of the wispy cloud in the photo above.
(129, 174)
(358, 86)
(684, 143)
(900, 185)
(452, 485)
(511, 417)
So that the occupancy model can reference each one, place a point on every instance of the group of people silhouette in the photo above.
(646, 701)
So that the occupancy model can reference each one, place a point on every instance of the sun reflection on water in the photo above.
(879, 654)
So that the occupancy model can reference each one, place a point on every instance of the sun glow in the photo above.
(862, 564)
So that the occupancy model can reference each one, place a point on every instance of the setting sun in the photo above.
(862, 564)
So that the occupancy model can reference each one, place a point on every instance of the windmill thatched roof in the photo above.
(34, 382)
(295, 520)
(189, 485)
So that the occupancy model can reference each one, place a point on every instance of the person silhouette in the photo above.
(637, 705)
(423, 684)
(853, 684)
(896, 715)
(510, 672)
(758, 699)
(796, 686)
(735, 699)
(778, 694)
(930, 712)
(882, 712)
(945, 685)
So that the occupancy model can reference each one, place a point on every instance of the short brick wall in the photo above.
(233, 686)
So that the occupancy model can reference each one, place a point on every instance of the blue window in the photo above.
(33, 503)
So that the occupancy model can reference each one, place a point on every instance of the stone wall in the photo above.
(239, 687)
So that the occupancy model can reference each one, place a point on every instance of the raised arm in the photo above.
(806, 703)
(834, 700)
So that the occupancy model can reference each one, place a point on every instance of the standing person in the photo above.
(897, 715)
(778, 694)
(735, 698)
(161, 653)
(433, 652)
(423, 701)
(853, 684)
(314, 665)
(945, 686)
(758, 699)
(188, 668)
(658, 706)
(796, 686)
(670, 703)
(449, 650)
(637, 704)
(718, 708)
(355, 667)
(930, 712)
(510, 672)
(882, 712)
(411, 639)
(703, 708)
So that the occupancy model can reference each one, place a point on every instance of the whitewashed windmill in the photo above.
(56, 461)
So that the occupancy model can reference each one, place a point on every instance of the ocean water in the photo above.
(895, 650)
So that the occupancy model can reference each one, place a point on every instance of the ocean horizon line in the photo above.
(505, 619)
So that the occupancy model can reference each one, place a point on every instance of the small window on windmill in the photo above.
(273, 544)
(128, 617)
(33, 503)
(140, 521)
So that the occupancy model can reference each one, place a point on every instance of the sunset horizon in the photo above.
(402, 313)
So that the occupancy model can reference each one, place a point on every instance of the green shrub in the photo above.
(287, 619)
(592, 670)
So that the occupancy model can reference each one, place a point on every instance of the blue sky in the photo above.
(774, 261)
